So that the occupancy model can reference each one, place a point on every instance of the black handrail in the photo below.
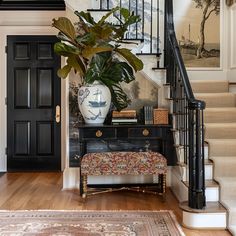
(188, 113)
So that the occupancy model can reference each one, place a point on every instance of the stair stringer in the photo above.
(179, 174)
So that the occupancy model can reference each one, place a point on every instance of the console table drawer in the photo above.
(103, 133)
(144, 132)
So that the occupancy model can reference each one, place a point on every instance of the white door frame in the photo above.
(29, 30)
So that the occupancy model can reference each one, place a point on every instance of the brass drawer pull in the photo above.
(99, 133)
(145, 132)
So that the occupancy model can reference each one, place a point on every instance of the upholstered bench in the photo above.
(123, 163)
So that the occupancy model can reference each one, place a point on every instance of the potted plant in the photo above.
(93, 50)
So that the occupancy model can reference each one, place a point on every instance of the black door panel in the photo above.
(33, 91)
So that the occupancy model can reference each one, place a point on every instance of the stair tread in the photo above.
(208, 183)
(209, 81)
(227, 179)
(206, 161)
(221, 157)
(211, 207)
(214, 94)
(223, 140)
(212, 109)
(215, 125)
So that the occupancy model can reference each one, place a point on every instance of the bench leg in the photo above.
(84, 182)
(81, 185)
(162, 181)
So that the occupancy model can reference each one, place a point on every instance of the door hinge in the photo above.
(6, 49)
(6, 150)
(6, 101)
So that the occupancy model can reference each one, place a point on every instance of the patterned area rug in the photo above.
(89, 223)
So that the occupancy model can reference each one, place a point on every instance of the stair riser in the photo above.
(180, 154)
(206, 152)
(220, 133)
(226, 101)
(224, 168)
(221, 149)
(212, 194)
(210, 86)
(219, 117)
(208, 172)
(227, 192)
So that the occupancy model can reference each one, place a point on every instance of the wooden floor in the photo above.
(28, 191)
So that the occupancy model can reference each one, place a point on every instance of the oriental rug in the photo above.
(89, 223)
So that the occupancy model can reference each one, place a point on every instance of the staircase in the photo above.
(220, 137)
(218, 184)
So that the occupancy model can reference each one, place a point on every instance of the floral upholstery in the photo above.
(123, 163)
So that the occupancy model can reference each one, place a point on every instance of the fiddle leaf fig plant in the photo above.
(93, 50)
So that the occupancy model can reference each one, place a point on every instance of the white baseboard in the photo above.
(71, 178)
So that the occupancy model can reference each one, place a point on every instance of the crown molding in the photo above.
(32, 5)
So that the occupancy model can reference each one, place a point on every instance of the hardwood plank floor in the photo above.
(29, 191)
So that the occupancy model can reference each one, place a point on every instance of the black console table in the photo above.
(148, 137)
(133, 137)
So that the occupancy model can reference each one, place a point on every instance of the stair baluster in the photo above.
(144, 31)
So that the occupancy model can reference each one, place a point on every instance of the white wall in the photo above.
(232, 43)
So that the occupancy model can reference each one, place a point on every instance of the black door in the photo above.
(33, 101)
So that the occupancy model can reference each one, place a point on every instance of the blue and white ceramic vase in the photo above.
(94, 102)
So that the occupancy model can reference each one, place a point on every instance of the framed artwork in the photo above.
(198, 32)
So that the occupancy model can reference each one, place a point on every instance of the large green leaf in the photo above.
(131, 19)
(65, 26)
(85, 17)
(111, 72)
(135, 62)
(63, 72)
(65, 50)
(119, 98)
(125, 13)
(89, 52)
(97, 65)
(100, 22)
(76, 62)
(102, 32)
(87, 39)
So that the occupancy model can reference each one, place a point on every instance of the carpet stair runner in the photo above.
(220, 134)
